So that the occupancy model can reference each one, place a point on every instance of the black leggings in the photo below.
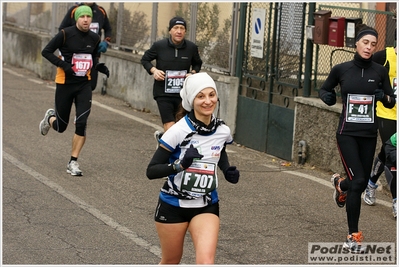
(65, 96)
(386, 128)
(390, 174)
(357, 155)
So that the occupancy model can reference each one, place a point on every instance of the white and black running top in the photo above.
(196, 186)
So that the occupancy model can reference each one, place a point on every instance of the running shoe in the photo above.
(157, 136)
(44, 125)
(369, 194)
(73, 168)
(394, 208)
(353, 243)
(339, 196)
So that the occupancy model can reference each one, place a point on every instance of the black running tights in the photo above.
(65, 96)
(357, 155)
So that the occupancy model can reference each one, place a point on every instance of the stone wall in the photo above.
(316, 124)
(23, 49)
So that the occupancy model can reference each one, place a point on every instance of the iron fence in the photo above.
(275, 75)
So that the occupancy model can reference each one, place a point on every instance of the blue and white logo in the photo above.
(258, 25)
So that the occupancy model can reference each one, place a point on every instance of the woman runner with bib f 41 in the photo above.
(363, 82)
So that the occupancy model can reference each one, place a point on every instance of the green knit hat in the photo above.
(83, 10)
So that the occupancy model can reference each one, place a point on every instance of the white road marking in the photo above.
(328, 184)
(36, 81)
(83, 205)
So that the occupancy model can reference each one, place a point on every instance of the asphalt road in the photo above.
(106, 216)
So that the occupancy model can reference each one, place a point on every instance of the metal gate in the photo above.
(270, 81)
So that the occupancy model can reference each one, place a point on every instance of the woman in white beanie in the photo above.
(189, 154)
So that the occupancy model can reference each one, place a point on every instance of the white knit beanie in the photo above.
(194, 84)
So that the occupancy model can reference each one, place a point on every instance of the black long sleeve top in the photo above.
(358, 79)
(70, 41)
(169, 56)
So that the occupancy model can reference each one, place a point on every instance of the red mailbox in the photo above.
(336, 31)
(321, 26)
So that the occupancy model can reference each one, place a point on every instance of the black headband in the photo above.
(366, 32)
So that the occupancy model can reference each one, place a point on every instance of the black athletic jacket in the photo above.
(171, 57)
(69, 41)
(358, 76)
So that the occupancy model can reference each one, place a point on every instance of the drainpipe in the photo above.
(240, 42)
(273, 70)
(309, 56)
(302, 152)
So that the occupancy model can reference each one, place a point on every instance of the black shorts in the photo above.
(166, 213)
(168, 107)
